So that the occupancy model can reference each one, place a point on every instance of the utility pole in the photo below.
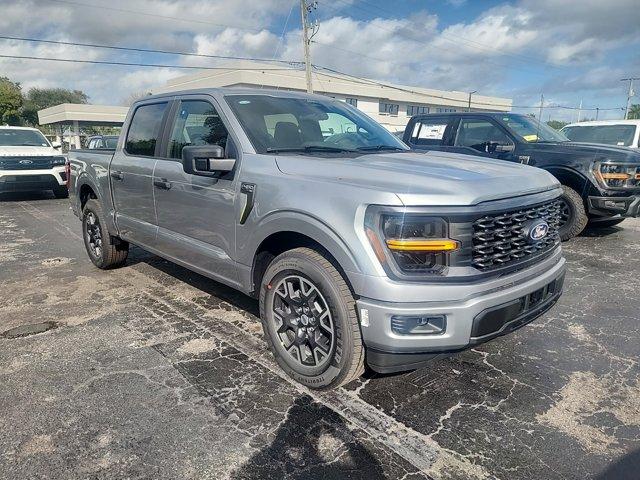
(597, 112)
(541, 104)
(306, 39)
(471, 93)
(630, 94)
(579, 110)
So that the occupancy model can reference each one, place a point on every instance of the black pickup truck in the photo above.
(601, 183)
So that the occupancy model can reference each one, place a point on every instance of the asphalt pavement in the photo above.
(151, 371)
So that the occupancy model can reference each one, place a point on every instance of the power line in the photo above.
(143, 50)
(132, 64)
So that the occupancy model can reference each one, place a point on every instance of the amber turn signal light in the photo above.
(423, 245)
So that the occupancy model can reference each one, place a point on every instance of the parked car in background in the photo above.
(101, 142)
(28, 162)
(350, 241)
(601, 184)
(621, 133)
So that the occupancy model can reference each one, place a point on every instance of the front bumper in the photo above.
(609, 206)
(31, 180)
(490, 313)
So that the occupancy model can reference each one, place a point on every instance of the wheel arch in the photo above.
(285, 232)
(572, 179)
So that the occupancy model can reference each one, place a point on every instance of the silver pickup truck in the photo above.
(359, 251)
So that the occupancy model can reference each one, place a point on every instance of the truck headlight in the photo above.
(412, 243)
(617, 175)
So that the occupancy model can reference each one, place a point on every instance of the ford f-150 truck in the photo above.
(359, 250)
(601, 183)
(28, 162)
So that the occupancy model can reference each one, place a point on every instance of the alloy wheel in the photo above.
(94, 234)
(303, 321)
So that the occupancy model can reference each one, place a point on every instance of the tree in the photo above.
(11, 101)
(39, 98)
(634, 111)
(556, 124)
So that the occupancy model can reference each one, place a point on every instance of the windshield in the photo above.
(530, 130)
(111, 142)
(22, 138)
(281, 124)
(621, 135)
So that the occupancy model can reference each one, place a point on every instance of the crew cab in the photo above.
(358, 250)
(28, 162)
(601, 183)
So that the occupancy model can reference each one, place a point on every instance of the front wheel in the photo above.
(309, 319)
(573, 214)
(104, 250)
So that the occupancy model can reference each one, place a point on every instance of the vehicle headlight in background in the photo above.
(417, 244)
(617, 175)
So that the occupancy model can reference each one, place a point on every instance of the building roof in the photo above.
(83, 113)
(253, 73)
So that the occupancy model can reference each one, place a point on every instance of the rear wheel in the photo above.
(104, 250)
(573, 214)
(309, 319)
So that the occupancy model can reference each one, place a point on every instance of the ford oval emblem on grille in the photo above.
(538, 230)
(25, 162)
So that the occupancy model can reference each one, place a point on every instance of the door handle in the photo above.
(162, 183)
(117, 175)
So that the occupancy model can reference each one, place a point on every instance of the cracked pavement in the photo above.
(156, 372)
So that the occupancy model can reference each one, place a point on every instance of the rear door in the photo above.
(131, 173)
(196, 214)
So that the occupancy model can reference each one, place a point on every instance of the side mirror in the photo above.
(502, 148)
(206, 160)
(56, 145)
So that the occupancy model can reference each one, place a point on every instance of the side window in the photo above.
(197, 123)
(480, 135)
(429, 132)
(92, 144)
(145, 129)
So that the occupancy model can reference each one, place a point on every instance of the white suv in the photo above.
(622, 133)
(28, 162)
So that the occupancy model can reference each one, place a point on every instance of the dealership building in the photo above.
(389, 104)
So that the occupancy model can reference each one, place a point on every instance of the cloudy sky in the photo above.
(568, 50)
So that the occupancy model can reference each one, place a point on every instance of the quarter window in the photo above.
(198, 123)
(429, 132)
(389, 108)
(145, 129)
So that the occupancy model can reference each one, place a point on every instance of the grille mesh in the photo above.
(29, 163)
(501, 240)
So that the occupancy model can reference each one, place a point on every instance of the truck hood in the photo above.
(21, 151)
(431, 178)
(589, 151)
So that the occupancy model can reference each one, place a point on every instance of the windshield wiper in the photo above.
(308, 148)
(380, 147)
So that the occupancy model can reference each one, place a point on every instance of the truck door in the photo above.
(481, 136)
(196, 215)
(131, 172)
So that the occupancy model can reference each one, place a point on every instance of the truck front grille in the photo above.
(501, 239)
(26, 163)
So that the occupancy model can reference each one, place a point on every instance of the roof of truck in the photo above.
(9, 127)
(239, 91)
(596, 123)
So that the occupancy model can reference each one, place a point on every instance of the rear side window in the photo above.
(145, 129)
(428, 132)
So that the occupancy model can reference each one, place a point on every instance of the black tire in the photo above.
(344, 358)
(61, 192)
(574, 214)
(104, 250)
(605, 223)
